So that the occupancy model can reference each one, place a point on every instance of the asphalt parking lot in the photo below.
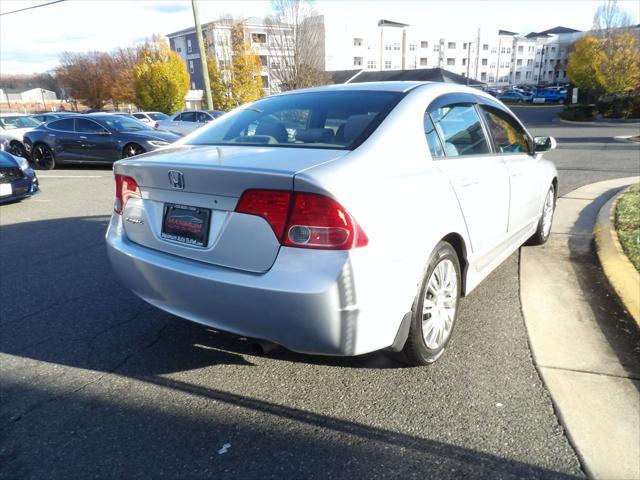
(96, 383)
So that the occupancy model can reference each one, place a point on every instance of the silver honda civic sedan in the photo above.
(337, 220)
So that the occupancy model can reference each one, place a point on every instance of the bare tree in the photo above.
(296, 44)
(609, 17)
(86, 77)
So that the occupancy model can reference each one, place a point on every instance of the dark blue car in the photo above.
(17, 178)
(93, 139)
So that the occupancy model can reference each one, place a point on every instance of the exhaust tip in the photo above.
(260, 347)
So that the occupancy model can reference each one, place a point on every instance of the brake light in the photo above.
(305, 220)
(272, 205)
(126, 188)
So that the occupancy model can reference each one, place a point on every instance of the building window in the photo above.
(451, 61)
(519, 62)
(436, 48)
(527, 75)
(260, 38)
(517, 75)
(265, 81)
(537, 65)
(396, 46)
(503, 50)
(464, 62)
(464, 46)
(412, 47)
(492, 79)
(485, 47)
(483, 76)
(484, 62)
(451, 45)
(529, 62)
(190, 66)
(193, 85)
(424, 44)
(178, 49)
(263, 60)
(520, 49)
(387, 64)
(494, 49)
(423, 62)
(371, 65)
(508, 49)
(553, 49)
(388, 46)
(189, 48)
(357, 61)
(357, 42)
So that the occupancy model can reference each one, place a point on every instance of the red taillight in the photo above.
(305, 220)
(272, 205)
(126, 187)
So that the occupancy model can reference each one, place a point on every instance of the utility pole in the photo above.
(203, 55)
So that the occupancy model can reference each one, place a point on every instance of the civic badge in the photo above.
(176, 179)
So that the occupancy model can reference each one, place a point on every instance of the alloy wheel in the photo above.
(132, 150)
(43, 157)
(547, 213)
(439, 306)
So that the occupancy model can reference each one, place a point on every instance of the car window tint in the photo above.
(87, 126)
(158, 116)
(432, 137)
(508, 136)
(310, 120)
(65, 125)
(188, 117)
(460, 128)
(140, 116)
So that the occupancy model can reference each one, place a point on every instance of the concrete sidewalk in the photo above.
(584, 345)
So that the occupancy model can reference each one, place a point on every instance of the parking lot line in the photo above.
(69, 176)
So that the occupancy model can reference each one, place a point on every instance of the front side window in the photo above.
(203, 117)
(340, 120)
(461, 130)
(435, 147)
(188, 117)
(120, 123)
(508, 136)
(87, 126)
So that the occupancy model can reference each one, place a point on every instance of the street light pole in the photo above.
(203, 55)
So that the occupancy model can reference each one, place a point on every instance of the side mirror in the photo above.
(104, 132)
(544, 144)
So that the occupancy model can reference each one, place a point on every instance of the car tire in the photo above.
(543, 230)
(17, 149)
(131, 150)
(43, 157)
(432, 323)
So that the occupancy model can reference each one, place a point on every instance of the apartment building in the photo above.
(264, 40)
(496, 58)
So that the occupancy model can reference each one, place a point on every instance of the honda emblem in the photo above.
(176, 179)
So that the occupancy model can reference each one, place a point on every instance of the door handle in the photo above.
(84, 138)
(468, 182)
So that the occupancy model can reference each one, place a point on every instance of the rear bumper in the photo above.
(306, 302)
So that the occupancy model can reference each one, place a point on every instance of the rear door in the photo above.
(513, 144)
(478, 176)
(187, 122)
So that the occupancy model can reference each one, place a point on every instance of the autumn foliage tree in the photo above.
(161, 80)
(246, 81)
(220, 81)
(87, 77)
(584, 65)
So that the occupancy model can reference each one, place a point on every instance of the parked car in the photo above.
(47, 117)
(17, 178)
(150, 117)
(317, 243)
(184, 123)
(95, 138)
(13, 126)
(551, 95)
(514, 96)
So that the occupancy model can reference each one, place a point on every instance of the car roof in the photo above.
(9, 114)
(399, 86)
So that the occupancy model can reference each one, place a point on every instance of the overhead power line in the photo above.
(32, 7)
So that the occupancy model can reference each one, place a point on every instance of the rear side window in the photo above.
(432, 137)
(87, 126)
(188, 117)
(461, 130)
(65, 125)
(508, 136)
(341, 120)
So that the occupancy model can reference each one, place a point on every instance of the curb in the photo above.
(632, 123)
(622, 275)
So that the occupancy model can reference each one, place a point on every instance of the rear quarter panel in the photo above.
(403, 203)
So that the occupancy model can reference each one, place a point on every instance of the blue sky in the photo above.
(31, 41)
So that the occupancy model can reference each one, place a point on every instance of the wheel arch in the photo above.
(457, 242)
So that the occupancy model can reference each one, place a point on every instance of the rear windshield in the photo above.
(341, 120)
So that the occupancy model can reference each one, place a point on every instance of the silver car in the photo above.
(337, 220)
(186, 122)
